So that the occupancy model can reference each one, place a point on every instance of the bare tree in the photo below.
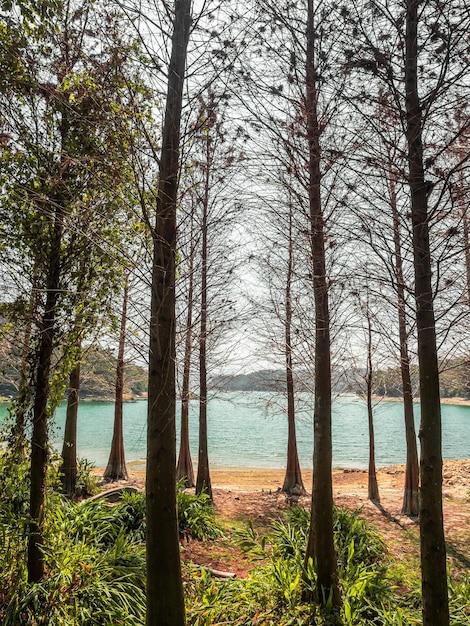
(116, 468)
(433, 551)
(184, 468)
(293, 484)
(165, 601)
(320, 542)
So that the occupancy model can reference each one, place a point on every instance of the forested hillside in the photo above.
(454, 381)
(98, 375)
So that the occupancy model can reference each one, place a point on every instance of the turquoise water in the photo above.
(249, 429)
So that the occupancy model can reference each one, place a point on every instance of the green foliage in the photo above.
(14, 485)
(95, 573)
(196, 516)
(249, 540)
(459, 601)
(273, 594)
(356, 541)
(84, 585)
(94, 552)
(95, 567)
(87, 483)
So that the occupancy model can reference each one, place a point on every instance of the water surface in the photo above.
(249, 429)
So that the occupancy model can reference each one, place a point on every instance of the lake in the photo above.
(249, 429)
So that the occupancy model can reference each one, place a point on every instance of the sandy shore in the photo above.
(243, 478)
(455, 401)
(456, 475)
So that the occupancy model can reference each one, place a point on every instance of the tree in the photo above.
(208, 207)
(320, 541)
(184, 468)
(69, 447)
(57, 180)
(419, 51)
(116, 468)
(433, 550)
(372, 485)
(411, 489)
(165, 601)
(382, 202)
(203, 480)
(293, 484)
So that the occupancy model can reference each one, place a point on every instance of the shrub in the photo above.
(196, 517)
(87, 483)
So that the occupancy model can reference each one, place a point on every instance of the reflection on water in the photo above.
(249, 429)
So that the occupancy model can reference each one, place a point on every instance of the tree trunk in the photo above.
(165, 599)
(320, 544)
(203, 482)
(39, 438)
(433, 550)
(23, 400)
(466, 236)
(116, 468)
(293, 484)
(411, 491)
(69, 448)
(373, 487)
(462, 201)
(184, 468)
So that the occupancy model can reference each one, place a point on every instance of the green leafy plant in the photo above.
(196, 517)
(87, 483)
(459, 601)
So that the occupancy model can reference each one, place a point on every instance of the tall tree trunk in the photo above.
(373, 487)
(116, 468)
(411, 491)
(39, 437)
(466, 236)
(293, 484)
(69, 448)
(320, 543)
(203, 481)
(433, 550)
(165, 599)
(23, 400)
(462, 201)
(184, 467)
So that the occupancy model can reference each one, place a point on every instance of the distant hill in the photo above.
(98, 374)
(262, 380)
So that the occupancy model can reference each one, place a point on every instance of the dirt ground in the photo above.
(241, 494)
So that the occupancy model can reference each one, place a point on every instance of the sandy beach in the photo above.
(346, 481)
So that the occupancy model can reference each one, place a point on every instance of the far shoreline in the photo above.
(417, 400)
(130, 399)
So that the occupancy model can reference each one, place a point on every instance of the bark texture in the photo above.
(69, 448)
(293, 485)
(203, 481)
(433, 550)
(39, 437)
(165, 600)
(184, 467)
(373, 487)
(320, 543)
(410, 504)
(116, 468)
